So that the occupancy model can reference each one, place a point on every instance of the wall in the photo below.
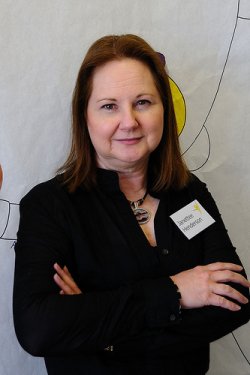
(206, 44)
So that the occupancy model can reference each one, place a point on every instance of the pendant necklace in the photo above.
(141, 214)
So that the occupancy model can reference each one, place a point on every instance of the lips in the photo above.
(129, 141)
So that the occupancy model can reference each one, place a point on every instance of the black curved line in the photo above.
(4, 200)
(241, 349)
(8, 239)
(10, 203)
(220, 80)
(209, 151)
(8, 218)
(203, 126)
(236, 23)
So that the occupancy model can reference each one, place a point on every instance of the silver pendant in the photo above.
(142, 215)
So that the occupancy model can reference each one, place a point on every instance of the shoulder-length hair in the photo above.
(165, 163)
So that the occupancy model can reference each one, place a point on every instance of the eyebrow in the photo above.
(115, 100)
(105, 99)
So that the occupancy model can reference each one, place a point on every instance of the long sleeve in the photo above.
(198, 327)
(48, 323)
(138, 314)
(210, 323)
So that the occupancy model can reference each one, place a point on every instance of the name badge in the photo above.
(192, 219)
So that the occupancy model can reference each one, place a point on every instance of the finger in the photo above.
(221, 301)
(229, 276)
(65, 269)
(217, 266)
(228, 291)
(59, 269)
(66, 277)
(65, 289)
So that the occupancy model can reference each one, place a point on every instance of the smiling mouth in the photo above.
(129, 140)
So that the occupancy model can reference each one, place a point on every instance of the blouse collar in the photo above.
(108, 181)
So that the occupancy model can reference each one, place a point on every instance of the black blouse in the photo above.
(128, 319)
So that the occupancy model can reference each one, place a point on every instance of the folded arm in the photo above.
(49, 323)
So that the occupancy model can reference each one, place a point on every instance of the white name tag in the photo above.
(192, 219)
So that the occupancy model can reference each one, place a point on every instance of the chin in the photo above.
(134, 162)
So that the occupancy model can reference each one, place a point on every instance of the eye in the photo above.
(109, 107)
(143, 103)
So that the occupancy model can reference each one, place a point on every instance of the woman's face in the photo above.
(124, 114)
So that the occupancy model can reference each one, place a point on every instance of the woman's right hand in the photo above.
(205, 285)
(65, 281)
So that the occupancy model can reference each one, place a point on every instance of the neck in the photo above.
(133, 184)
(132, 177)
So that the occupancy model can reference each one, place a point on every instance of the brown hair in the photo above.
(165, 164)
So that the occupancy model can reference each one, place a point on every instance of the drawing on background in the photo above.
(41, 99)
(8, 209)
(204, 127)
(179, 101)
(179, 105)
(9, 212)
(180, 111)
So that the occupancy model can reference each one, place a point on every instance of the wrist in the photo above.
(177, 292)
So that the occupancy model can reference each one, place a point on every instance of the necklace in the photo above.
(142, 216)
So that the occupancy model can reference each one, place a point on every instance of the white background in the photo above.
(206, 44)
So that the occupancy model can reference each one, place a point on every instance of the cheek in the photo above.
(158, 135)
(94, 126)
(99, 133)
(158, 125)
(157, 132)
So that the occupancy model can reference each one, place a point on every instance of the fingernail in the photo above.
(240, 267)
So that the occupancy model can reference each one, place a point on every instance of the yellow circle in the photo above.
(179, 105)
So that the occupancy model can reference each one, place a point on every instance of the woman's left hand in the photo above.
(65, 281)
(207, 285)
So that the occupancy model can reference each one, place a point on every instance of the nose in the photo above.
(128, 119)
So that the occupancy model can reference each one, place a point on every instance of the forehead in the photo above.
(121, 74)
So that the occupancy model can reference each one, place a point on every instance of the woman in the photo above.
(105, 281)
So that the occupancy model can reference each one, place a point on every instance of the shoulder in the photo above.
(46, 204)
(195, 182)
(43, 188)
(194, 190)
(195, 185)
(45, 193)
